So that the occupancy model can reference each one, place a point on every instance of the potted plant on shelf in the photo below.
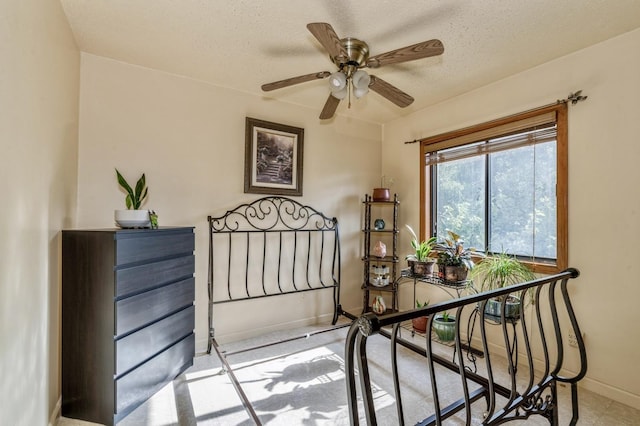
(420, 324)
(133, 217)
(499, 271)
(420, 262)
(455, 260)
(445, 326)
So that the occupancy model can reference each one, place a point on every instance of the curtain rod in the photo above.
(574, 98)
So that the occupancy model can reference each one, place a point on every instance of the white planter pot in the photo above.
(132, 218)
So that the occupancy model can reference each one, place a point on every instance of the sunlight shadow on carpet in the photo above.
(306, 387)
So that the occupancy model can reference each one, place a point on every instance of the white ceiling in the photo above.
(242, 44)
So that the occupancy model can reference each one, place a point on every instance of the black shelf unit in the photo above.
(388, 211)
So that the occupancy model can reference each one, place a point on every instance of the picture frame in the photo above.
(273, 158)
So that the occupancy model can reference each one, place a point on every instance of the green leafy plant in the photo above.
(451, 252)
(422, 305)
(498, 271)
(135, 198)
(501, 270)
(422, 248)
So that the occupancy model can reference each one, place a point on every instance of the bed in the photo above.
(275, 246)
(535, 346)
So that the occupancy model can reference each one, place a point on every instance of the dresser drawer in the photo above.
(147, 342)
(142, 309)
(139, 278)
(153, 244)
(137, 386)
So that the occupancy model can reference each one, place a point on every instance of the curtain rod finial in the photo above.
(576, 97)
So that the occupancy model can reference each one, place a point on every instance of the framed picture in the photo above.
(273, 158)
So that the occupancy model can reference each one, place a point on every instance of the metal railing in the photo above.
(527, 387)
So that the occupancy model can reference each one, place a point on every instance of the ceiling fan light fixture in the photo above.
(358, 93)
(361, 81)
(340, 94)
(349, 55)
(337, 81)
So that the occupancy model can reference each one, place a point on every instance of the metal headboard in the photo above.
(269, 247)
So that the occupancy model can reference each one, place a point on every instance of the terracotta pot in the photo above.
(420, 324)
(381, 194)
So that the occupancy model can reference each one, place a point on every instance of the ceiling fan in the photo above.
(350, 55)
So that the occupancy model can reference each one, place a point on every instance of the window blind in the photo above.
(473, 147)
(487, 131)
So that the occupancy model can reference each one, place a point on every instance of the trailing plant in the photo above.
(501, 270)
(135, 198)
(451, 252)
(422, 248)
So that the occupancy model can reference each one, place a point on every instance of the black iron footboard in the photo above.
(515, 368)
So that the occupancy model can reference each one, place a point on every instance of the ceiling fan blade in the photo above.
(328, 38)
(294, 80)
(408, 53)
(329, 107)
(390, 92)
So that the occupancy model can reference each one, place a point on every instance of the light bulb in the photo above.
(340, 94)
(358, 93)
(337, 81)
(361, 80)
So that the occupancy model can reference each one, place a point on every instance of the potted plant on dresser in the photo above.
(420, 262)
(499, 271)
(133, 217)
(454, 260)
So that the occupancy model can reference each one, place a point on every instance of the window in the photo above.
(502, 186)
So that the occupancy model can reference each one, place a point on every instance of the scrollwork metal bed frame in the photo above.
(277, 246)
(269, 247)
(527, 391)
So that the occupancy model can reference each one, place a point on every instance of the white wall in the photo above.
(603, 199)
(39, 89)
(189, 139)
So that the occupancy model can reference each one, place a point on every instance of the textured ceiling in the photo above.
(242, 44)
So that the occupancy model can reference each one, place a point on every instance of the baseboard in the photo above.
(611, 392)
(587, 383)
(55, 415)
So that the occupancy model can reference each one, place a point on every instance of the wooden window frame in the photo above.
(562, 206)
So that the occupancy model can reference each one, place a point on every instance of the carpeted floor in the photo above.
(302, 383)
